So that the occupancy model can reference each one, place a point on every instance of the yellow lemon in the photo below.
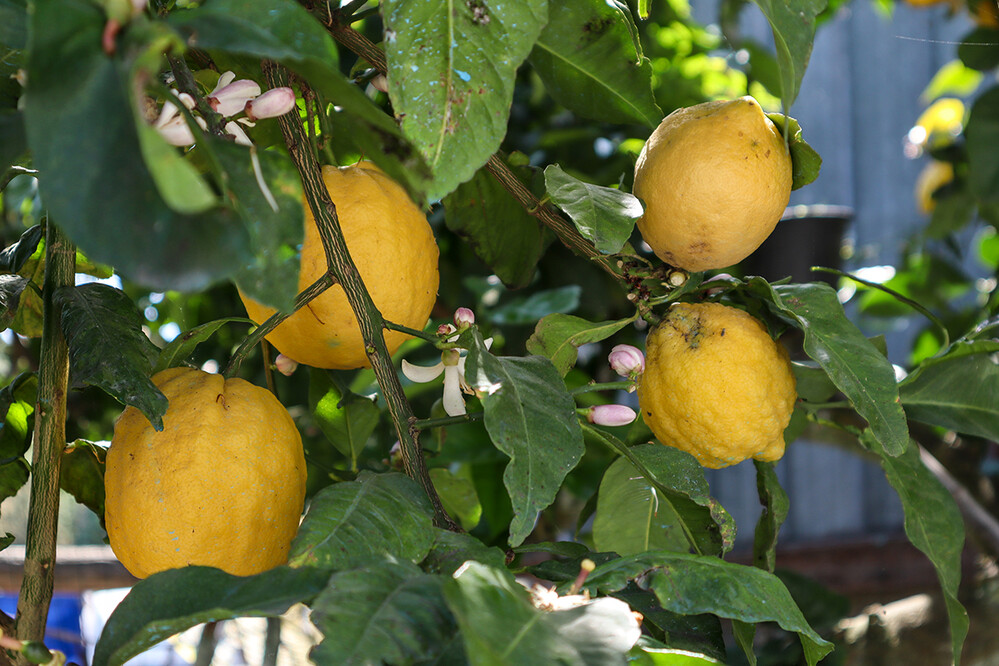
(222, 485)
(716, 385)
(715, 179)
(940, 123)
(393, 247)
(934, 175)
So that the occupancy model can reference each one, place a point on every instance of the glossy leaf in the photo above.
(81, 474)
(497, 228)
(857, 368)
(107, 347)
(604, 215)
(180, 348)
(532, 419)
(527, 310)
(386, 612)
(170, 602)
(805, 162)
(775, 507)
(559, 337)
(982, 131)
(353, 522)
(692, 584)
(590, 60)
(793, 25)
(451, 70)
(347, 420)
(933, 524)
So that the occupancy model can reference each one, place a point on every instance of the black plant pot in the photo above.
(806, 236)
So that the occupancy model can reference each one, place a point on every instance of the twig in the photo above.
(368, 317)
(185, 83)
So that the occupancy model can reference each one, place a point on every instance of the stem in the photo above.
(426, 424)
(429, 337)
(49, 442)
(368, 317)
(625, 385)
(185, 83)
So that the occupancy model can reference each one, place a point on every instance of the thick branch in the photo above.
(368, 317)
(49, 442)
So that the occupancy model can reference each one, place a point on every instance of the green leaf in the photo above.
(805, 162)
(180, 348)
(453, 549)
(11, 289)
(959, 392)
(497, 228)
(682, 490)
(13, 142)
(170, 602)
(532, 419)
(972, 54)
(347, 420)
(15, 435)
(862, 373)
(458, 496)
(387, 612)
(501, 627)
(82, 474)
(283, 31)
(13, 476)
(559, 337)
(933, 524)
(775, 507)
(96, 319)
(670, 657)
(604, 215)
(591, 62)
(793, 25)
(96, 185)
(14, 257)
(523, 311)
(451, 71)
(353, 522)
(981, 132)
(14, 23)
(694, 584)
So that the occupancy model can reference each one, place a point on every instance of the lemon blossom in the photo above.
(452, 365)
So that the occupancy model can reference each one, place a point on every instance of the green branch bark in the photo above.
(368, 317)
(49, 442)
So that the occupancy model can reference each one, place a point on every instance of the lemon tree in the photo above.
(476, 215)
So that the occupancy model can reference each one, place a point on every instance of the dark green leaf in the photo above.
(180, 348)
(812, 383)
(346, 420)
(523, 311)
(11, 288)
(933, 524)
(167, 603)
(692, 584)
(13, 142)
(959, 392)
(972, 53)
(386, 612)
(982, 131)
(451, 70)
(700, 634)
(793, 26)
(805, 162)
(863, 374)
(497, 228)
(559, 336)
(13, 257)
(351, 523)
(531, 418)
(775, 507)
(82, 474)
(96, 319)
(453, 549)
(25, 297)
(604, 215)
(283, 31)
(591, 62)
(13, 476)
(458, 496)
(14, 23)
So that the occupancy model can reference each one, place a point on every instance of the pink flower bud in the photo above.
(626, 360)
(463, 318)
(285, 365)
(273, 103)
(445, 330)
(230, 100)
(611, 415)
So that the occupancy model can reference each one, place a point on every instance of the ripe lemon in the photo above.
(222, 485)
(934, 175)
(716, 385)
(715, 179)
(394, 250)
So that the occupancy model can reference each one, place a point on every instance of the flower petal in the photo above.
(454, 404)
(421, 373)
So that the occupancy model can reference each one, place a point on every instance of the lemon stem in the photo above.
(623, 385)
(429, 337)
(49, 441)
(426, 424)
(368, 317)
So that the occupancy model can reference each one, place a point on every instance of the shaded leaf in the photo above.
(531, 418)
(13, 257)
(96, 319)
(386, 612)
(793, 27)
(26, 299)
(451, 71)
(981, 132)
(172, 601)
(180, 348)
(458, 497)
(604, 215)
(353, 522)
(11, 288)
(540, 304)
(559, 337)
(82, 474)
(14, 23)
(346, 420)
(13, 142)
(591, 62)
(775, 507)
(453, 549)
(13, 476)
(805, 162)
(497, 228)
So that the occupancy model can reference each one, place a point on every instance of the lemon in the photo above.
(393, 247)
(716, 385)
(934, 175)
(715, 179)
(222, 485)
